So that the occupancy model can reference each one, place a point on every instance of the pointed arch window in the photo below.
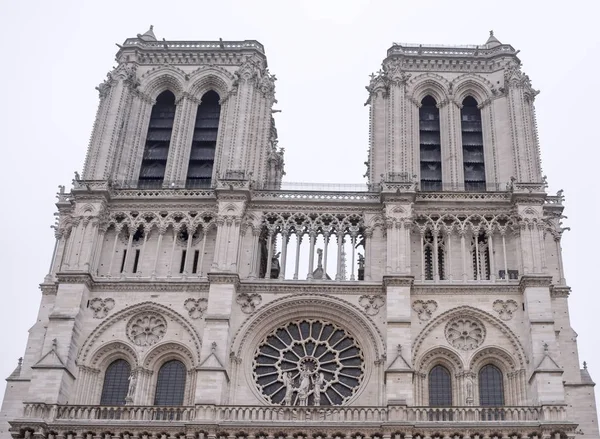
(116, 383)
(204, 142)
(156, 151)
(491, 386)
(472, 142)
(430, 145)
(440, 387)
(170, 384)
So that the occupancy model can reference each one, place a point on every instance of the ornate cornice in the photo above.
(75, 278)
(295, 287)
(196, 285)
(531, 280)
(398, 281)
(224, 278)
(420, 288)
(560, 291)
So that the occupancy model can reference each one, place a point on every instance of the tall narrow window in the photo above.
(440, 387)
(170, 384)
(480, 252)
(156, 151)
(116, 384)
(429, 256)
(491, 386)
(431, 151)
(204, 142)
(472, 141)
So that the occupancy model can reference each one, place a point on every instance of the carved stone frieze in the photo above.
(425, 308)
(465, 333)
(146, 329)
(101, 307)
(371, 303)
(195, 307)
(505, 308)
(248, 301)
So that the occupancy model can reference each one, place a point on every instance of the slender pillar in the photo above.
(326, 244)
(170, 271)
(143, 252)
(503, 233)
(353, 240)
(478, 268)
(297, 261)
(201, 261)
(85, 222)
(463, 251)
(448, 263)
(422, 255)
(128, 255)
(561, 272)
(340, 244)
(114, 250)
(368, 261)
(312, 235)
(402, 243)
(542, 238)
(98, 250)
(284, 243)
(161, 232)
(187, 249)
(492, 258)
(269, 254)
(436, 271)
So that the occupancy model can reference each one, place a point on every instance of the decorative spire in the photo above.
(492, 41)
(148, 35)
(585, 365)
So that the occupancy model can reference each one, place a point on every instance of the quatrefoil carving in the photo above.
(195, 307)
(505, 308)
(371, 303)
(425, 308)
(248, 302)
(101, 307)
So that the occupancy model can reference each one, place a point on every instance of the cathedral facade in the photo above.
(192, 294)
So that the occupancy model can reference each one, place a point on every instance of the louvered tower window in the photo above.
(204, 143)
(491, 386)
(116, 383)
(170, 384)
(440, 387)
(430, 145)
(156, 151)
(472, 140)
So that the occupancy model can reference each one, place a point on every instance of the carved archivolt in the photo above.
(109, 352)
(465, 333)
(429, 84)
(146, 329)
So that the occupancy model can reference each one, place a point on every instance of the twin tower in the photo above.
(191, 296)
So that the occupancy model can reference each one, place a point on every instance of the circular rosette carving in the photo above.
(308, 362)
(465, 333)
(146, 329)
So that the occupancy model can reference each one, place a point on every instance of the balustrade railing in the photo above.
(243, 414)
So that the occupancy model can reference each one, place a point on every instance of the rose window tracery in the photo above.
(146, 329)
(465, 333)
(308, 362)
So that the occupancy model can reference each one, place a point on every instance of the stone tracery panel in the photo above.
(465, 333)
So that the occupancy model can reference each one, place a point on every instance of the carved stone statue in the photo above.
(132, 384)
(319, 382)
(304, 388)
(288, 382)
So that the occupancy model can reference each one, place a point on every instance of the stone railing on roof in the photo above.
(450, 51)
(196, 45)
(282, 414)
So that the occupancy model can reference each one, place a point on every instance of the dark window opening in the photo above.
(156, 151)
(440, 387)
(123, 261)
(491, 386)
(116, 383)
(182, 264)
(195, 264)
(481, 257)
(204, 141)
(430, 145)
(472, 142)
(429, 256)
(170, 384)
(136, 260)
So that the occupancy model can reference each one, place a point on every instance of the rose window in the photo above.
(465, 333)
(308, 362)
(146, 329)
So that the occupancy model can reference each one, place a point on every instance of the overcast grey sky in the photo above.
(56, 52)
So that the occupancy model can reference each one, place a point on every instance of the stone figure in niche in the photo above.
(288, 382)
(469, 391)
(304, 388)
(275, 267)
(319, 383)
(132, 384)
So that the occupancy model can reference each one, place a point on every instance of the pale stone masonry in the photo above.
(202, 297)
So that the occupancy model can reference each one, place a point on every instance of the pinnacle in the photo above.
(148, 35)
(492, 41)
